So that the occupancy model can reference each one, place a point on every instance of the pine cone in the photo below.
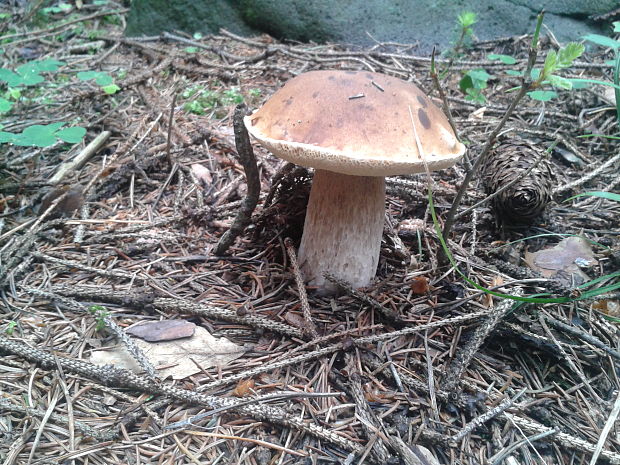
(529, 195)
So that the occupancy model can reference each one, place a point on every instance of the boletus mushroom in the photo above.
(354, 128)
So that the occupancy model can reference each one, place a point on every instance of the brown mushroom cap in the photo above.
(355, 122)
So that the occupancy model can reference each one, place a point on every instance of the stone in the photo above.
(152, 17)
(362, 22)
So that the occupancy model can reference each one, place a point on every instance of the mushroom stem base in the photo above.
(343, 229)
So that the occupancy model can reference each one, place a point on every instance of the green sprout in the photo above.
(473, 83)
(204, 100)
(104, 80)
(100, 313)
(10, 327)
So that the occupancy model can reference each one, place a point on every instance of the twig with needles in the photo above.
(310, 328)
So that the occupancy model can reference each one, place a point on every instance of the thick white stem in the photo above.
(343, 228)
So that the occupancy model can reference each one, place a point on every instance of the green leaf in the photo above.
(542, 95)
(55, 126)
(601, 40)
(514, 72)
(5, 105)
(479, 75)
(12, 79)
(467, 19)
(31, 79)
(616, 26)
(562, 83)
(466, 83)
(569, 53)
(197, 35)
(506, 59)
(102, 79)
(36, 136)
(616, 83)
(87, 75)
(40, 66)
(475, 95)
(191, 49)
(6, 137)
(111, 89)
(551, 63)
(71, 135)
(596, 81)
(579, 84)
(474, 79)
(603, 195)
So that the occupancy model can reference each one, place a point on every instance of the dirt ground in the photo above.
(423, 366)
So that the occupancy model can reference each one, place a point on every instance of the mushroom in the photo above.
(354, 128)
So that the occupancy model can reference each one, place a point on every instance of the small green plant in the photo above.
(207, 100)
(472, 84)
(554, 62)
(26, 75)
(10, 327)
(100, 313)
(506, 59)
(29, 74)
(104, 80)
(465, 22)
(42, 136)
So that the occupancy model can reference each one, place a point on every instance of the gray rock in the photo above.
(362, 22)
(151, 17)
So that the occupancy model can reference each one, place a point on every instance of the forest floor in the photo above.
(422, 366)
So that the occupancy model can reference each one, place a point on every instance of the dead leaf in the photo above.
(477, 114)
(65, 207)
(419, 285)
(374, 396)
(244, 387)
(165, 330)
(608, 94)
(202, 173)
(295, 319)
(487, 299)
(563, 261)
(608, 307)
(178, 359)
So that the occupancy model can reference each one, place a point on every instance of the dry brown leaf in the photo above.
(202, 173)
(243, 388)
(165, 330)
(419, 285)
(563, 261)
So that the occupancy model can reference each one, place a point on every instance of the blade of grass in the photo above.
(603, 195)
(617, 83)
